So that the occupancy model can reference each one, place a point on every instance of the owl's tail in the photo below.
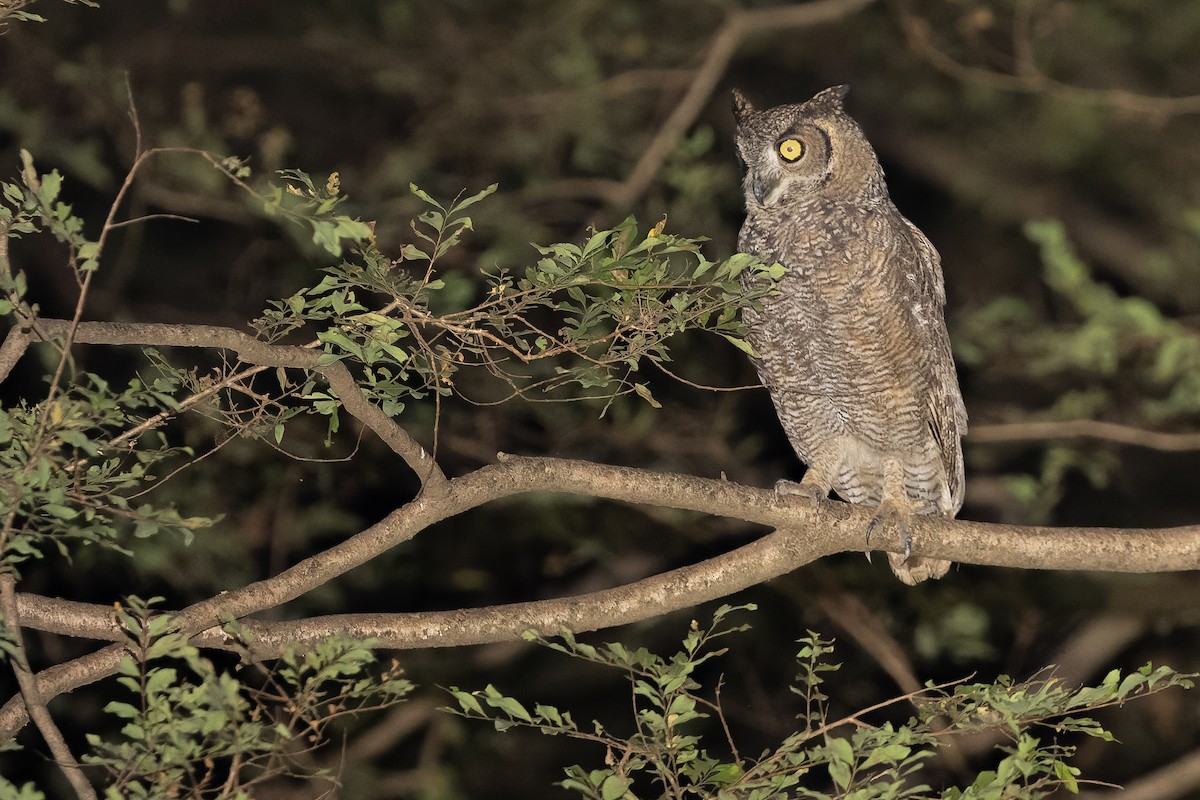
(914, 569)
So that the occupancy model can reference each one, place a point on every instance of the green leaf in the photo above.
(643, 391)
(614, 787)
(410, 252)
(51, 184)
(159, 679)
(513, 708)
(840, 774)
(60, 511)
(1068, 775)
(325, 359)
(1131, 682)
(468, 702)
(122, 710)
(475, 198)
(169, 644)
(741, 344)
(548, 713)
(841, 760)
(887, 754)
(412, 187)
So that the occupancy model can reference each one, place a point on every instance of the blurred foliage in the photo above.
(1104, 355)
(1100, 337)
(1022, 112)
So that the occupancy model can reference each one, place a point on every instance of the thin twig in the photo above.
(35, 704)
(266, 356)
(1083, 429)
(849, 613)
(149, 217)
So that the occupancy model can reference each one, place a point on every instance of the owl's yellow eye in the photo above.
(791, 149)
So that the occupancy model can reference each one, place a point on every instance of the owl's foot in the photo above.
(891, 515)
(808, 491)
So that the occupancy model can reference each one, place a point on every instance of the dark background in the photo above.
(986, 116)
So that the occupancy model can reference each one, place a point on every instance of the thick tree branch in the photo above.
(806, 532)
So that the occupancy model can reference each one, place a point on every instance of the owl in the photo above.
(853, 348)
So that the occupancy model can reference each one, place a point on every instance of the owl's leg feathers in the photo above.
(896, 509)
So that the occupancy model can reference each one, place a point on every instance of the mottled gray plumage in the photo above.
(854, 348)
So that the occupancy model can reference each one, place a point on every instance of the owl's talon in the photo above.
(874, 523)
(890, 514)
(870, 529)
(887, 515)
(807, 491)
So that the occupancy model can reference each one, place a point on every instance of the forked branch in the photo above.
(804, 533)
(250, 350)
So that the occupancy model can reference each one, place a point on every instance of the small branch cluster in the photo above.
(667, 751)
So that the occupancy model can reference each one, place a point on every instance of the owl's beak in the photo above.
(760, 189)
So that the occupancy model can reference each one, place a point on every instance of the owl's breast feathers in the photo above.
(855, 342)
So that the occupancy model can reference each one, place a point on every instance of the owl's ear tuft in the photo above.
(742, 107)
(831, 97)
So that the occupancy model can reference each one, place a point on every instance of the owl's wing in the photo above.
(947, 412)
(930, 262)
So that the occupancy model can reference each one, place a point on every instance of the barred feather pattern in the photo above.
(854, 348)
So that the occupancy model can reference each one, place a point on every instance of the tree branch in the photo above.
(805, 532)
(1084, 429)
(1028, 78)
(32, 698)
(253, 351)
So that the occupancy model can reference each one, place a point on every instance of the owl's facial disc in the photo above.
(785, 157)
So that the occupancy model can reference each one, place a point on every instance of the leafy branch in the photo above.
(666, 755)
(594, 312)
(195, 731)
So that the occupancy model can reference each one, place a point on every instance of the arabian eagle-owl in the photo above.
(853, 348)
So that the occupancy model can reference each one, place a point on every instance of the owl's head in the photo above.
(794, 151)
